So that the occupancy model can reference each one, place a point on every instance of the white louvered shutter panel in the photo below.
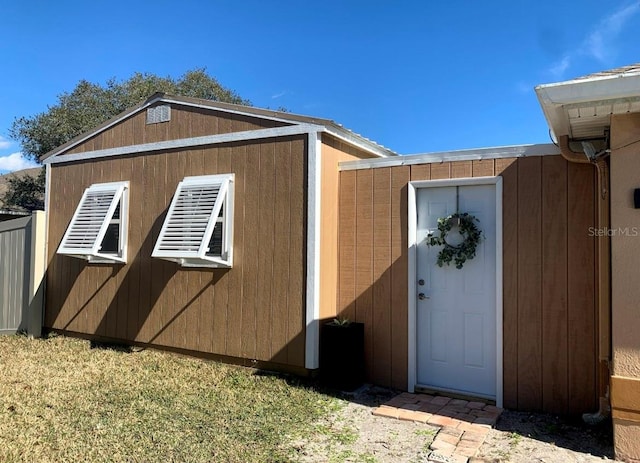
(91, 218)
(191, 219)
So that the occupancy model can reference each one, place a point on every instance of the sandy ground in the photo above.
(353, 434)
(526, 437)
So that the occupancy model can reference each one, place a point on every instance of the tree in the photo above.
(89, 105)
(26, 192)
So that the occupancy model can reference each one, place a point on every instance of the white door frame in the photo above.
(412, 225)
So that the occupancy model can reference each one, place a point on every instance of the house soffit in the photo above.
(582, 108)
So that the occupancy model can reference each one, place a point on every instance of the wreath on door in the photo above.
(462, 252)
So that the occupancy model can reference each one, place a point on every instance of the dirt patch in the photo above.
(352, 434)
(531, 437)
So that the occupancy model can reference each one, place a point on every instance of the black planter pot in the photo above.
(342, 355)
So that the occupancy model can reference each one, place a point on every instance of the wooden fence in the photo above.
(22, 263)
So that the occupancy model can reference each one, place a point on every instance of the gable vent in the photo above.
(158, 114)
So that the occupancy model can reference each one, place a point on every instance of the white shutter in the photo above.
(191, 219)
(91, 219)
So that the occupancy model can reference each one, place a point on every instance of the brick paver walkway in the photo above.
(463, 424)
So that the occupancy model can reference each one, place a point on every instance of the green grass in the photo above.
(514, 439)
(61, 401)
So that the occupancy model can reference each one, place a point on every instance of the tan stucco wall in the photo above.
(625, 285)
(625, 245)
(625, 436)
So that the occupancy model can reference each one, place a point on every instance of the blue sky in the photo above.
(415, 76)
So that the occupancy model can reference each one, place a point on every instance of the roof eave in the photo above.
(554, 97)
(288, 118)
(102, 127)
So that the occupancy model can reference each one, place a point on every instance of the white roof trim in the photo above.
(516, 151)
(349, 137)
(361, 142)
(554, 98)
(590, 80)
(314, 182)
(371, 149)
(186, 143)
(164, 99)
(225, 110)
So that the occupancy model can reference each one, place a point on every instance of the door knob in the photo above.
(422, 296)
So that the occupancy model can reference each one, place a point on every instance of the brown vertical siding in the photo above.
(549, 315)
(297, 254)
(186, 122)
(554, 280)
(254, 310)
(364, 261)
(399, 276)
(529, 283)
(265, 268)
(282, 241)
(333, 151)
(508, 169)
(381, 319)
(348, 208)
(582, 317)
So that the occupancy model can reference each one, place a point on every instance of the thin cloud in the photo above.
(599, 43)
(558, 69)
(523, 88)
(278, 95)
(4, 143)
(14, 162)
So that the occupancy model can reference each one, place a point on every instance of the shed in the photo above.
(200, 227)
(231, 232)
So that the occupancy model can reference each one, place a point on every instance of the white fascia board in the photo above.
(187, 143)
(593, 89)
(312, 338)
(575, 93)
(157, 99)
(365, 145)
(227, 110)
(517, 151)
(344, 135)
(557, 119)
(360, 142)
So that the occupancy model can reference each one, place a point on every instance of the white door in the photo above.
(456, 308)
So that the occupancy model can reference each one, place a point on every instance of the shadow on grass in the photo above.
(124, 348)
(368, 395)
